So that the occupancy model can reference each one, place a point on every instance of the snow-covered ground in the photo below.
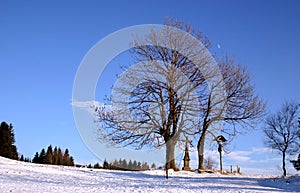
(18, 176)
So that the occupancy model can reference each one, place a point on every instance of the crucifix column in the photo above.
(186, 159)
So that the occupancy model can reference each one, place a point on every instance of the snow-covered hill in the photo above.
(18, 176)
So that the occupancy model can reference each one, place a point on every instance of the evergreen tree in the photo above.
(36, 158)
(49, 155)
(42, 158)
(7, 140)
(120, 163)
(66, 158)
(97, 166)
(296, 163)
(55, 156)
(71, 161)
(130, 165)
(115, 164)
(145, 166)
(153, 166)
(59, 157)
(105, 165)
(134, 165)
(139, 167)
(21, 158)
(124, 164)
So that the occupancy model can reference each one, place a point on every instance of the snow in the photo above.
(18, 176)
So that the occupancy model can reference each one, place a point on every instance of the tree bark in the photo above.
(170, 152)
(283, 164)
(200, 148)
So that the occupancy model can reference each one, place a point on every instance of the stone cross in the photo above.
(186, 159)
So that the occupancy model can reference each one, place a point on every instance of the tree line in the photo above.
(53, 157)
(8, 149)
(56, 156)
(123, 164)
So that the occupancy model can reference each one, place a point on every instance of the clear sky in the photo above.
(43, 42)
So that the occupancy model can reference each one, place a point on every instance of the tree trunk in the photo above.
(200, 148)
(283, 164)
(170, 152)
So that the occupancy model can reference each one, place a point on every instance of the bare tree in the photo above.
(210, 163)
(156, 100)
(238, 106)
(282, 132)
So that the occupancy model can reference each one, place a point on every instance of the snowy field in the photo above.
(18, 176)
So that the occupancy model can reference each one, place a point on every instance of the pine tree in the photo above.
(36, 158)
(153, 166)
(130, 165)
(139, 167)
(145, 166)
(71, 161)
(42, 157)
(134, 165)
(105, 165)
(120, 163)
(21, 158)
(7, 140)
(49, 155)
(59, 157)
(67, 161)
(115, 164)
(54, 161)
(97, 166)
(124, 164)
(66, 157)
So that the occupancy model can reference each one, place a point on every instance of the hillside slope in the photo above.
(18, 176)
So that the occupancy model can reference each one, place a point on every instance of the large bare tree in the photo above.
(156, 100)
(282, 132)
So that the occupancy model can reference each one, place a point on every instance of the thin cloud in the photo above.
(87, 105)
(261, 150)
(239, 156)
(248, 156)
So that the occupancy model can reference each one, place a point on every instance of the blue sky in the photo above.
(43, 43)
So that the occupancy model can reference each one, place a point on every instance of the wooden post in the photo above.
(220, 152)
(220, 139)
